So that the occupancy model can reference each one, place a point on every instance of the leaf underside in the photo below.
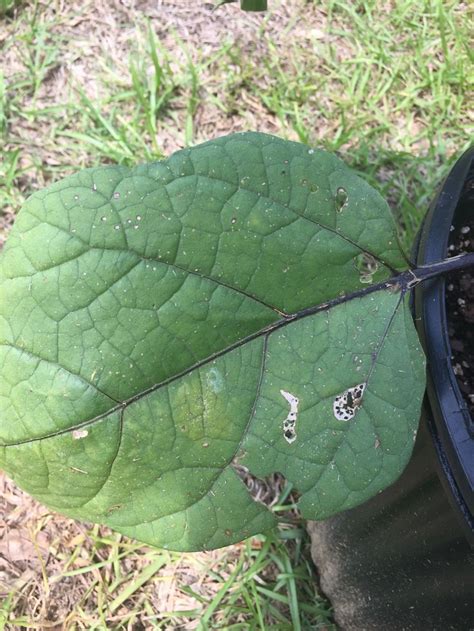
(154, 332)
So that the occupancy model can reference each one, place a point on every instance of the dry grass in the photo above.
(56, 573)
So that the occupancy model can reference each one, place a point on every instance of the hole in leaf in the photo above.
(270, 490)
(348, 402)
(366, 265)
(341, 199)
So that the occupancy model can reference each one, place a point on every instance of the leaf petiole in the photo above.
(424, 272)
(246, 5)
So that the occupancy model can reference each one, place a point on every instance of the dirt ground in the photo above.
(95, 42)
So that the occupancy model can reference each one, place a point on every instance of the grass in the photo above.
(101, 580)
(387, 86)
(6, 6)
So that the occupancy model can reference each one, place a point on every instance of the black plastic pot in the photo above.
(403, 560)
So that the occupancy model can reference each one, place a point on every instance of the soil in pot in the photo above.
(460, 313)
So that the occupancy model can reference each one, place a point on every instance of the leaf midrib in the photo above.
(392, 283)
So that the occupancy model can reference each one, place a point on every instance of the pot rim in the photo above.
(450, 423)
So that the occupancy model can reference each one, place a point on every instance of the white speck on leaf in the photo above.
(78, 470)
(77, 434)
(215, 380)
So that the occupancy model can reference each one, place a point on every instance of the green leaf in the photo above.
(228, 305)
(253, 5)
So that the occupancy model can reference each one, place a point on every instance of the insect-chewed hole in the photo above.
(347, 403)
(289, 429)
(366, 265)
(268, 490)
(341, 199)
